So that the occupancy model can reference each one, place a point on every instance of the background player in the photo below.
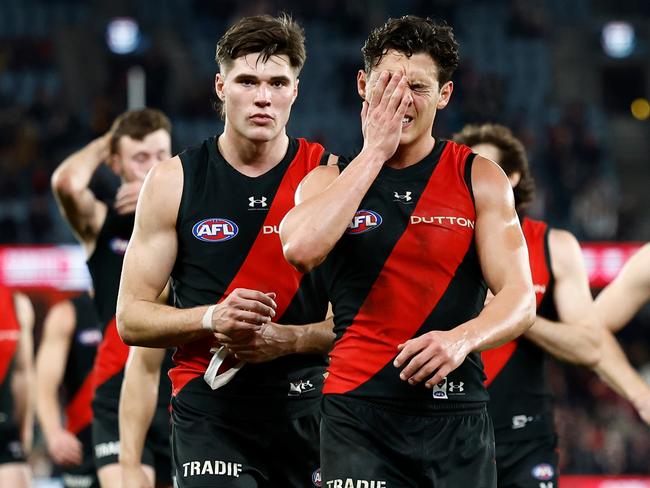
(16, 388)
(566, 327)
(209, 220)
(137, 141)
(410, 228)
(71, 334)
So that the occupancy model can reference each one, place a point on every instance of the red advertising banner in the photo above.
(603, 482)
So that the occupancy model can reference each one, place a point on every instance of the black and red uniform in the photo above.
(11, 447)
(261, 428)
(105, 266)
(78, 389)
(406, 265)
(521, 404)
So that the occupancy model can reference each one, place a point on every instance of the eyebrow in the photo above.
(246, 76)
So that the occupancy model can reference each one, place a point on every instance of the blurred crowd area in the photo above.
(60, 86)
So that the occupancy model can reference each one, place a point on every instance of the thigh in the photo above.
(208, 451)
(295, 453)
(16, 475)
(528, 464)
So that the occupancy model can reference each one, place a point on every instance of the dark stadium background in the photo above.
(541, 67)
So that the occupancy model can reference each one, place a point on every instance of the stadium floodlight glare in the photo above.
(618, 39)
(123, 35)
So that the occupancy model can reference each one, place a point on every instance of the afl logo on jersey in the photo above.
(215, 230)
(364, 221)
(89, 337)
(118, 245)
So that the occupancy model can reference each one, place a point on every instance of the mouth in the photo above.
(261, 118)
(406, 120)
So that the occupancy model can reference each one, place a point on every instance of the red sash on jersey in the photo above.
(9, 331)
(412, 281)
(264, 268)
(534, 232)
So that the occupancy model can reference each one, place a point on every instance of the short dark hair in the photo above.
(264, 34)
(413, 35)
(513, 156)
(137, 124)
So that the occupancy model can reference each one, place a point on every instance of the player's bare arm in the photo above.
(575, 337)
(23, 378)
(148, 264)
(275, 340)
(138, 399)
(504, 261)
(63, 446)
(76, 201)
(623, 297)
(328, 200)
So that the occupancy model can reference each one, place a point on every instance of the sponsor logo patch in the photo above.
(543, 472)
(440, 390)
(315, 478)
(364, 221)
(215, 229)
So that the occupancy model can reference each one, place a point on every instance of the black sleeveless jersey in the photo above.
(228, 238)
(521, 403)
(9, 343)
(407, 265)
(77, 380)
(105, 266)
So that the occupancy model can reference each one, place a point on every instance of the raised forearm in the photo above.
(312, 228)
(76, 171)
(574, 343)
(508, 315)
(47, 408)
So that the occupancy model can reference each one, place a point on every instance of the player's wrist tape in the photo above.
(206, 323)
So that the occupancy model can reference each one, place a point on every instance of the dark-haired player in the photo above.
(566, 327)
(409, 233)
(137, 141)
(71, 334)
(208, 220)
(16, 387)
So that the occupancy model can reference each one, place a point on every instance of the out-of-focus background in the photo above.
(571, 78)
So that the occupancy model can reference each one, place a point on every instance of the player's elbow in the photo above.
(125, 327)
(528, 308)
(302, 257)
(62, 183)
(591, 353)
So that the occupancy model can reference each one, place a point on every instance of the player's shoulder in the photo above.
(61, 318)
(489, 183)
(24, 310)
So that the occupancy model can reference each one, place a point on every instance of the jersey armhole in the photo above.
(547, 258)
(184, 195)
(469, 161)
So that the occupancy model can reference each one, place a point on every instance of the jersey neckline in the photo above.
(216, 157)
(424, 165)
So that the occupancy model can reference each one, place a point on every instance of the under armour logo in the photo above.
(403, 198)
(253, 202)
(453, 386)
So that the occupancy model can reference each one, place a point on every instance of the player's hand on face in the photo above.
(127, 195)
(270, 342)
(242, 312)
(65, 449)
(383, 111)
(430, 357)
(134, 476)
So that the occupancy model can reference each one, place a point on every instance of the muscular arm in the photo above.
(147, 266)
(138, 400)
(574, 338)
(64, 447)
(326, 200)
(77, 203)
(504, 262)
(276, 340)
(623, 297)
(23, 376)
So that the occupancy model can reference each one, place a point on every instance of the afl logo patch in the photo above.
(89, 337)
(543, 472)
(215, 230)
(364, 221)
(315, 478)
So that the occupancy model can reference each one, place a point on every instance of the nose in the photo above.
(263, 96)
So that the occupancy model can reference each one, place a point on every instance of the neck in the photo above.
(410, 154)
(252, 158)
